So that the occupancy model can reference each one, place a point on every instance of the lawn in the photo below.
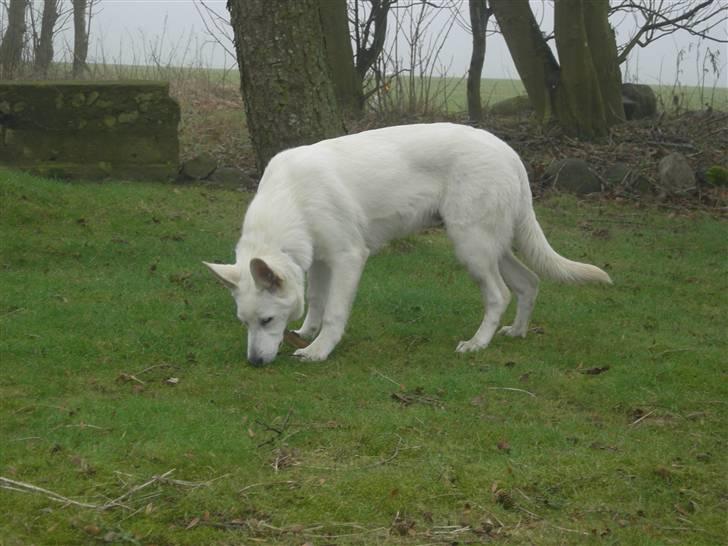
(123, 386)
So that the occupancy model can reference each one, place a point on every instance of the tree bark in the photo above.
(284, 76)
(11, 49)
(579, 105)
(44, 50)
(535, 63)
(80, 38)
(603, 51)
(479, 16)
(340, 56)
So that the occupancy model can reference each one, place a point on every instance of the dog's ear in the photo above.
(264, 276)
(229, 275)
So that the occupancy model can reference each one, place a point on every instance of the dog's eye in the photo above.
(266, 321)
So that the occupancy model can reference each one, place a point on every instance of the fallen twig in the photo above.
(511, 389)
(22, 487)
(642, 418)
(380, 374)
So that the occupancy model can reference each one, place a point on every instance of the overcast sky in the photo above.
(127, 31)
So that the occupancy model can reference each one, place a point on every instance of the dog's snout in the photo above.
(256, 360)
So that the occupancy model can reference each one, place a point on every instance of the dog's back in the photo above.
(389, 182)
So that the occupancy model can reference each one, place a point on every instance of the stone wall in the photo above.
(91, 130)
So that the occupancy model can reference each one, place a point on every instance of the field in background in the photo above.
(444, 94)
(123, 385)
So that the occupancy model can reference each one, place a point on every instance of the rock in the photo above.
(622, 177)
(512, 107)
(573, 176)
(641, 185)
(676, 175)
(232, 177)
(618, 175)
(639, 101)
(198, 168)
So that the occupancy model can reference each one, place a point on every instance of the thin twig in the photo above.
(380, 374)
(568, 530)
(267, 484)
(134, 489)
(512, 389)
(153, 367)
(22, 487)
(645, 416)
(13, 485)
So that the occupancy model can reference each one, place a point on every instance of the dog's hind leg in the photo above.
(318, 287)
(524, 283)
(479, 251)
(346, 270)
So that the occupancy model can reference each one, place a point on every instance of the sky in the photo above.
(134, 31)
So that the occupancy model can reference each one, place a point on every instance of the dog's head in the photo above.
(269, 294)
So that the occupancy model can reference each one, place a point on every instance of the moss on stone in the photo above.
(99, 127)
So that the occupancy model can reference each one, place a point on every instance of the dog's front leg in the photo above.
(345, 272)
(318, 289)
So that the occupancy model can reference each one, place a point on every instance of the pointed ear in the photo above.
(229, 275)
(264, 276)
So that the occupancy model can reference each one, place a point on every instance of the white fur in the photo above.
(321, 210)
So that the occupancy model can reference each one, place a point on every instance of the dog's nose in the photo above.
(256, 360)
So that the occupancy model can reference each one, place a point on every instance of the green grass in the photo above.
(101, 282)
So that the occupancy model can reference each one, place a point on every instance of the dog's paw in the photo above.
(311, 354)
(512, 331)
(469, 346)
(306, 333)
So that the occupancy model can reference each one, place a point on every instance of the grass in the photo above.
(121, 360)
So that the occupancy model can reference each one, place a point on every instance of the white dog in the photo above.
(321, 210)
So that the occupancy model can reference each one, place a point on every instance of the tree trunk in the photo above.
(479, 16)
(534, 61)
(340, 56)
(11, 49)
(80, 38)
(44, 50)
(580, 107)
(284, 76)
(583, 93)
(603, 51)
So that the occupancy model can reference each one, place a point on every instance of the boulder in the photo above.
(198, 168)
(573, 176)
(512, 107)
(639, 101)
(234, 178)
(621, 176)
(676, 177)
(618, 175)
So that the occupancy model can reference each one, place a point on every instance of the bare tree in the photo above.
(656, 19)
(479, 16)
(43, 42)
(83, 11)
(369, 20)
(11, 48)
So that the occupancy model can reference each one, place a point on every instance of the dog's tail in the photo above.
(537, 251)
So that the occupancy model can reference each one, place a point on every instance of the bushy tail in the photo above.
(538, 253)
